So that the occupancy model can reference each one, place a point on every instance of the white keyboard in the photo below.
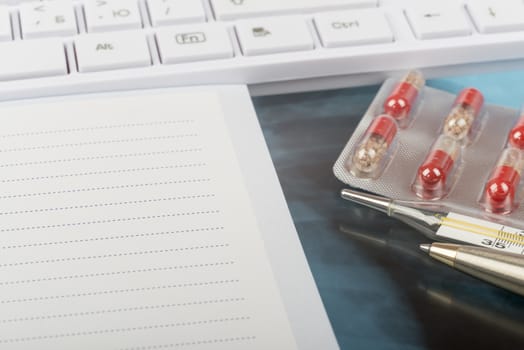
(61, 47)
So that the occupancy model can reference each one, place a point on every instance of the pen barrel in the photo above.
(505, 270)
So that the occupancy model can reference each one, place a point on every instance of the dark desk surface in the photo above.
(379, 290)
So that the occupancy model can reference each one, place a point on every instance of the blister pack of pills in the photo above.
(419, 143)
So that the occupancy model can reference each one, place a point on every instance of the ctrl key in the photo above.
(32, 59)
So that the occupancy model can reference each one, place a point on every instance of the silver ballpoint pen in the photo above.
(505, 270)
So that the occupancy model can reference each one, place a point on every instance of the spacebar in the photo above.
(232, 9)
(32, 59)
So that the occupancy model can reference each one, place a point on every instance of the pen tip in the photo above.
(425, 247)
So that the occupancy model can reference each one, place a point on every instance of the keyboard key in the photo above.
(5, 24)
(345, 28)
(96, 52)
(103, 15)
(430, 21)
(194, 43)
(232, 9)
(272, 35)
(51, 18)
(491, 16)
(165, 12)
(32, 59)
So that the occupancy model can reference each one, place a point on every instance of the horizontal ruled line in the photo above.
(117, 273)
(100, 127)
(110, 204)
(93, 143)
(109, 156)
(119, 291)
(105, 256)
(123, 309)
(105, 188)
(125, 330)
(192, 343)
(106, 238)
(136, 218)
(104, 172)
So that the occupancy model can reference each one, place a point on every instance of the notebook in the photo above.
(148, 220)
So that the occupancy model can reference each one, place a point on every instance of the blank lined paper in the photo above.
(125, 223)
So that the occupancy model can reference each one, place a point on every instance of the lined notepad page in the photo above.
(125, 224)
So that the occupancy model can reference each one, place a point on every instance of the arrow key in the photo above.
(492, 16)
(432, 21)
(97, 52)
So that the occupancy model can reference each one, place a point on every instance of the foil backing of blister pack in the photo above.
(413, 143)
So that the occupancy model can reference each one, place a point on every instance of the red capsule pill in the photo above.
(435, 169)
(502, 185)
(466, 109)
(384, 127)
(472, 98)
(370, 152)
(503, 182)
(433, 174)
(516, 135)
(401, 100)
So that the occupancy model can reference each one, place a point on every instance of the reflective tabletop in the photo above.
(379, 290)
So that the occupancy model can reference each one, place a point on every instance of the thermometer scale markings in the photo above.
(502, 236)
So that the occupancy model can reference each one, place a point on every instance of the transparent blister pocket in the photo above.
(437, 173)
(501, 192)
(516, 134)
(464, 121)
(403, 100)
(375, 148)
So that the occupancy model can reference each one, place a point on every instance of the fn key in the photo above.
(194, 43)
